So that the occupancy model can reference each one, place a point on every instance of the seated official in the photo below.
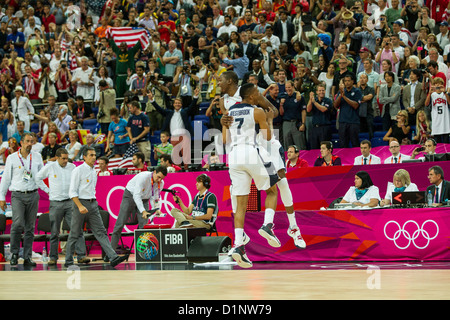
(401, 182)
(202, 212)
(327, 159)
(293, 159)
(396, 156)
(366, 157)
(440, 188)
(166, 161)
(364, 193)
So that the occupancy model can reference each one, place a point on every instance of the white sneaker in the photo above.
(241, 258)
(266, 231)
(296, 235)
(244, 242)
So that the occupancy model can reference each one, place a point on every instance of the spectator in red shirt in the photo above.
(165, 27)
(293, 160)
(103, 167)
(138, 163)
(47, 18)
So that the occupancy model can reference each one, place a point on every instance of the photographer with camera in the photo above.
(387, 52)
(106, 104)
(160, 92)
(184, 79)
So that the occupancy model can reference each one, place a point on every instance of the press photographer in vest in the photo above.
(202, 212)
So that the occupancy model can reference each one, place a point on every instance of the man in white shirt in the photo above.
(80, 78)
(63, 119)
(228, 27)
(396, 157)
(82, 192)
(19, 177)
(22, 108)
(273, 42)
(365, 157)
(145, 187)
(428, 148)
(58, 174)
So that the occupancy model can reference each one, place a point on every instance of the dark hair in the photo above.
(294, 147)
(86, 151)
(104, 158)
(166, 157)
(417, 72)
(161, 169)
(437, 170)
(366, 180)
(327, 144)
(246, 90)
(60, 152)
(140, 155)
(205, 179)
(231, 75)
(366, 142)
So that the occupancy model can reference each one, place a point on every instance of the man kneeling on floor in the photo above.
(202, 212)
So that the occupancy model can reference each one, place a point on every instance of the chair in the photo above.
(90, 124)
(213, 230)
(3, 237)
(43, 226)
(131, 221)
(34, 127)
(65, 227)
(89, 236)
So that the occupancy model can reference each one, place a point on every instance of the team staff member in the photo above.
(19, 177)
(440, 188)
(144, 187)
(202, 212)
(58, 174)
(82, 192)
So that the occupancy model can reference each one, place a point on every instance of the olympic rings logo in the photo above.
(411, 237)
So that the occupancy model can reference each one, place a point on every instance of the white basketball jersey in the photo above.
(440, 115)
(230, 101)
(243, 130)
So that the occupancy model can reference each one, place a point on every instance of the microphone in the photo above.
(173, 192)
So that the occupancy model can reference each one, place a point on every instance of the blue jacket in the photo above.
(168, 113)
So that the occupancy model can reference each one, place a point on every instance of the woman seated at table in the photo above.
(364, 193)
(401, 182)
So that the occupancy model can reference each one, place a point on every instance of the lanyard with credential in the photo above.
(20, 158)
(362, 160)
(201, 204)
(399, 159)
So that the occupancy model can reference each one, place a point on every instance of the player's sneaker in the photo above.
(296, 235)
(241, 258)
(245, 240)
(266, 231)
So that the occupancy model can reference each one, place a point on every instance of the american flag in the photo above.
(130, 35)
(118, 163)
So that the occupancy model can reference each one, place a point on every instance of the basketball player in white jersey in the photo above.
(440, 113)
(246, 162)
(228, 83)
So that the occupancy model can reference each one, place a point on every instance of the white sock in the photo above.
(292, 221)
(233, 200)
(238, 236)
(268, 216)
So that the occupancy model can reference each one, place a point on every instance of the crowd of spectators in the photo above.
(327, 65)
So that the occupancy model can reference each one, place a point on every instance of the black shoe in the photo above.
(68, 264)
(14, 259)
(29, 262)
(119, 259)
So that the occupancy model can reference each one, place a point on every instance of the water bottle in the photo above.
(44, 255)
(430, 199)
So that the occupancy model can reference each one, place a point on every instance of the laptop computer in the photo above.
(409, 197)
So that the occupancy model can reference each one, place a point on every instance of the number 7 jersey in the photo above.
(244, 129)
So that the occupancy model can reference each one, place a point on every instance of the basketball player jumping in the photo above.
(246, 162)
(228, 83)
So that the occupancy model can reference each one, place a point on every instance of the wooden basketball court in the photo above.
(265, 281)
